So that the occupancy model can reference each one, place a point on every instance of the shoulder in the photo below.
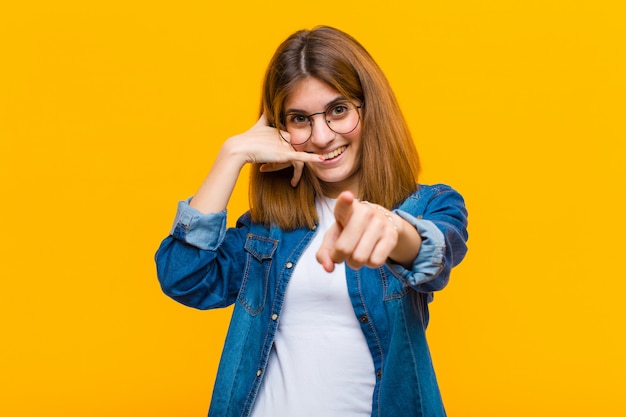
(245, 219)
(432, 198)
(424, 191)
(427, 193)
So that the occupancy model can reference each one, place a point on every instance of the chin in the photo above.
(333, 179)
(342, 182)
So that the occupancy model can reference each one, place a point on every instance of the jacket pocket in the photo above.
(393, 288)
(259, 254)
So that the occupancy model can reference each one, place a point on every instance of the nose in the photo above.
(321, 134)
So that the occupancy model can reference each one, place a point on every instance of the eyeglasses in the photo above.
(341, 117)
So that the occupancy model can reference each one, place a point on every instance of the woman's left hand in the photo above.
(366, 235)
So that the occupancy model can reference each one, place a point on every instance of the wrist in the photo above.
(233, 152)
(409, 242)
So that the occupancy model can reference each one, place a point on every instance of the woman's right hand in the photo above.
(262, 144)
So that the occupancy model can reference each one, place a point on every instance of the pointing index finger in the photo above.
(343, 207)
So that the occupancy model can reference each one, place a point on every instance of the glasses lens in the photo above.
(341, 118)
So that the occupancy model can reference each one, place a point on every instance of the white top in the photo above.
(320, 364)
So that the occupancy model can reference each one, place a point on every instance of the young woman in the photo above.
(332, 269)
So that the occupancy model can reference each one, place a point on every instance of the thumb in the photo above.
(262, 121)
(343, 207)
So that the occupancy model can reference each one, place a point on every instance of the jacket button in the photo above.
(363, 319)
(289, 265)
(274, 317)
(379, 374)
(259, 372)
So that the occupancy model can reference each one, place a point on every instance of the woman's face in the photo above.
(341, 152)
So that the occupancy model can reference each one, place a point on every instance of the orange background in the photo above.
(110, 112)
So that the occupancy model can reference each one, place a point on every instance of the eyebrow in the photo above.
(331, 103)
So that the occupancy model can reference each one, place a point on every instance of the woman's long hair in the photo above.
(389, 163)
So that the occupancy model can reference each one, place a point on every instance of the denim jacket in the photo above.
(204, 265)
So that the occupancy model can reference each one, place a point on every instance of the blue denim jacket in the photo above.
(204, 265)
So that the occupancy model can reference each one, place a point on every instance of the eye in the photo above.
(297, 119)
(338, 111)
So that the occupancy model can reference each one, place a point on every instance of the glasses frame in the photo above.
(310, 118)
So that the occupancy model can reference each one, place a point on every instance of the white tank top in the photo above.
(320, 364)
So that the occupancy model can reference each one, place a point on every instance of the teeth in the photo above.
(334, 153)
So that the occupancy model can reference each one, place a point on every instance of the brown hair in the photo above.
(389, 163)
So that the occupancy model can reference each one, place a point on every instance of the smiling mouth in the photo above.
(335, 153)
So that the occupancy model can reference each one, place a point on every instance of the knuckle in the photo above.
(354, 265)
(340, 252)
(359, 258)
(377, 260)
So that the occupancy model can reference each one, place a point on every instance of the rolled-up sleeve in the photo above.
(439, 215)
(430, 259)
(199, 263)
(204, 231)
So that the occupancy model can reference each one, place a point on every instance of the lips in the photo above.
(335, 153)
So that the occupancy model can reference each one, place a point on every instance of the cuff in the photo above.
(430, 259)
(204, 231)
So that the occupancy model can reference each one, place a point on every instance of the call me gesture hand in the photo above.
(277, 156)
(260, 144)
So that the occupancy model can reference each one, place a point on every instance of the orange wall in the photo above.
(110, 113)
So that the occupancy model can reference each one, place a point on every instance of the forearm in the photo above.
(217, 188)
